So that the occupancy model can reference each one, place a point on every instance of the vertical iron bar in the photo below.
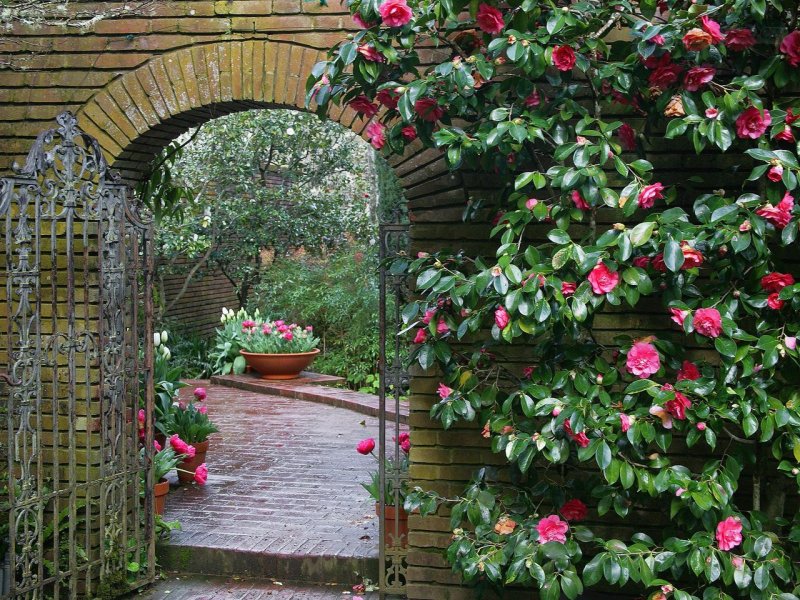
(382, 415)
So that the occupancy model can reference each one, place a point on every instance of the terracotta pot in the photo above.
(279, 366)
(389, 525)
(187, 467)
(160, 491)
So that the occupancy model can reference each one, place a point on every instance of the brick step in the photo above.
(340, 569)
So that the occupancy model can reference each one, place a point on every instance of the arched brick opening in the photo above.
(140, 112)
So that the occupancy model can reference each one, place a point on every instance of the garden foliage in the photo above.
(520, 91)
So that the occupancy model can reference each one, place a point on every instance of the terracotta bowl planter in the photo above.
(187, 467)
(160, 491)
(279, 366)
(389, 522)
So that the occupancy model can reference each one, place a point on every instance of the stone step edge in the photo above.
(286, 568)
(365, 404)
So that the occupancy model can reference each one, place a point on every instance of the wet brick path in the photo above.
(283, 498)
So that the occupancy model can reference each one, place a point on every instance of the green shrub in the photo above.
(338, 295)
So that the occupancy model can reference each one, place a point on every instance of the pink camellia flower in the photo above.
(625, 422)
(531, 203)
(737, 562)
(579, 201)
(395, 13)
(641, 261)
(363, 106)
(643, 360)
(707, 322)
(790, 47)
(140, 417)
(552, 529)
(663, 414)
(501, 317)
(775, 282)
(790, 342)
(365, 446)
(157, 446)
(376, 132)
(676, 407)
(603, 279)
(712, 113)
(489, 19)
(203, 410)
(200, 394)
(678, 315)
(409, 133)
(387, 98)
(428, 316)
(711, 27)
(697, 77)
(568, 288)
(691, 257)
(201, 474)
(370, 53)
(729, 533)
(745, 226)
(649, 195)
(579, 438)
(696, 40)
(688, 371)
(428, 109)
(701, 426)
(574, 510)
(421, 336)
(442, 327)
(779, 215)
(774, 302)
(180, 446)
(444, 391)
(533, 100)
(627, 137)
(359, 20)
(563, 58)
(775, 173)
(739, 40)
(680, 492)
(785, 135)
(752, 123)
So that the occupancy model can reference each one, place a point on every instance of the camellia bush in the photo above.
(665, 464)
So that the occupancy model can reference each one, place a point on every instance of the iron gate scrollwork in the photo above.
(77, 506)
(393, 473)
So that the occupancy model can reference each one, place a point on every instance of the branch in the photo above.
(189, 276)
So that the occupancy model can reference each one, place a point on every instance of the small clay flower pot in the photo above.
(187, 466)
(391, 513)
(160, 491)
(279, 366)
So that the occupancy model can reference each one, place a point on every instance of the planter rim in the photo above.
(245, 353)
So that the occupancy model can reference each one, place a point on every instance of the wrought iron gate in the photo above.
(393, 471)
(77, 508)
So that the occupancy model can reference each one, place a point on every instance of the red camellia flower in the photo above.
(627, 137)
(409, 133)
(370, 53)
(775, 173)
(603, 279)
(533, 100)
(790, 47)
(665, 76)
(363, 106)
(643, 360)
(421, 337)
(707, 322)
(696, 40)
(775, 282)
(649, 195)
(579, 201)
(428, 316)
(564, 58)
(642, 262)
(779, 215)
(785, 135)
(688, 371)
(501, 317)
(441, 327)
(376, 132)
(574, 510)
(395, 13)
(676, 407)
(201, 474)
(428, 109)
(729, 533)
(552, 529)
(774, 302)
(712, 113)
(752, 123)
(489, 19)
(387, 98)
(366, 446)
(711, 27)
(579, 438)
(691, 257)
(739, 40)
(697, 77)
(568, 288)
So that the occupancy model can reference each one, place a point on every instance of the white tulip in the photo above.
(164, 337)
(166, 353)
(157, 339)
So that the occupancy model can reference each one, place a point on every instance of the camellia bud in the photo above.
(400, 89)
(619, 227)
(471, 59)
(795, 471)
(736, 293)
(556, 411)
(438, 264)
(701, 426)
(723, 250)
(518, 121)
(599, 378)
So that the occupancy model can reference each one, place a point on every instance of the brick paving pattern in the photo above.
(283, 497)
(218, 588)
